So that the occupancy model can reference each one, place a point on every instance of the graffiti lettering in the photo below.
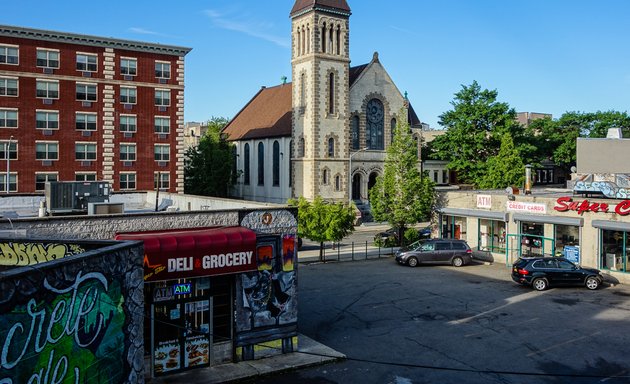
(68, 318)
(20, 254)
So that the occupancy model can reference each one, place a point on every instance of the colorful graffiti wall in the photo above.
(73, 320)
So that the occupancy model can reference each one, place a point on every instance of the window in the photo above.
(303, 91)
(393, 129)
(86, 62)
(325, 176)
(8, 118)
(162, 152)
(127, 95)
(47, 58)
(276, 163)
(46, 150)
(246, 165)
(161, 180)
(9, 54)
(301, 148)
(128, 152)
(127, 181)
(355, 132)
(47, 119)
(162, 125)
(162, 97)
(42, 178)
(47, 89)
(85, 151)
(162, 70)
(8, 86)
(261, 164)
(444, 176)
(12, 149)
(435, 176)
(375, 123)
(85, 121)
(128, 123)
(331, 93)
(337, 183)
(85, 176)
(86, 92)
(12, 182)
(331, 147)
(128, 66)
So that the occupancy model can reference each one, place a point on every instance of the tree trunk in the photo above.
(321, 251)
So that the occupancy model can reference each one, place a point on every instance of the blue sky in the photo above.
(547, 56)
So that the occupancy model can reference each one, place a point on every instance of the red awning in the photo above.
(196, 252)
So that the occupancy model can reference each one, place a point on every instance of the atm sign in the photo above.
(182, 289)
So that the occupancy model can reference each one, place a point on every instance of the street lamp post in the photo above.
(7, 153)
(350, 173)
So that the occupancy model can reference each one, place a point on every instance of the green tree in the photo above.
(209, 167)
(504, 169)
(323, 221)
(402, 196)
(474, 126)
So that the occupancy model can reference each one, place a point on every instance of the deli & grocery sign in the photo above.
(566, 203)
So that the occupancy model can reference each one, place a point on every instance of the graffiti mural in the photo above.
(71, 323)
(19, 254)
(617, 189)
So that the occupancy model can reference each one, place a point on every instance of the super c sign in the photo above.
(564, 204)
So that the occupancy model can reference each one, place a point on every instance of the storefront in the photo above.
(195, 295)
(591, 232)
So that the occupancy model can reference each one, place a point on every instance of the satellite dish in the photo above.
(573, 169)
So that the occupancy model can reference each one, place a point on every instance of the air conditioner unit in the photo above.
(73, 197)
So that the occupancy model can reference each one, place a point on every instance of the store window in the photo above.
(532, 239)
(492, 235)
(566, 236)
(453, 227)
(615, 248)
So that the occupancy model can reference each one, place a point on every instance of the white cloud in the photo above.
(252, 28)
(142, 31)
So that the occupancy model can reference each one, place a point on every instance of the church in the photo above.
(325, 133)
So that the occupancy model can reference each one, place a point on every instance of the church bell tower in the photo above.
(320, 64)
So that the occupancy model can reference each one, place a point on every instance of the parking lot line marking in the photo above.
(510, 301)
(561, 344)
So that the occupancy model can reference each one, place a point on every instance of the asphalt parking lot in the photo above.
(471, 324)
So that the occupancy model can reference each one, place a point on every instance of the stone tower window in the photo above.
(375, 124)
(331, 93)
(355, 132)
(331, 147)
(324, 38)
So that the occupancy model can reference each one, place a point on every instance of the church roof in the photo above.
(268, 114)
(331, 5)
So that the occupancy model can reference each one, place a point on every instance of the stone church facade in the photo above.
(325, 133)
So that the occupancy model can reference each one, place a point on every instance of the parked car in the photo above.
(392, 233)
(543, 272)
(435, 251)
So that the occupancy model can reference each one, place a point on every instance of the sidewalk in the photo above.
(309, 353)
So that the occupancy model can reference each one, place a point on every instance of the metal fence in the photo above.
(345, 252)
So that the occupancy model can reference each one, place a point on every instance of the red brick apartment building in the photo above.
(82, 108)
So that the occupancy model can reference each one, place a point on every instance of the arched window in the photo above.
(246, 172)
(375, 124)
(303, 91)
(261, 164)
(324, 38)
(301, 148)
(355, 132)
(331, 93)
(338, 42)
(325, 176)
(393, 129)
(290, 163)
(303, 43)
(308, 38)
(337, 183)
(276, 163)
(331, 147)
(298, 47)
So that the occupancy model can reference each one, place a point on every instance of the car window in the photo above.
(442, 246)
(565, 264)
(550, 264)
(459, 246)
(427, 247)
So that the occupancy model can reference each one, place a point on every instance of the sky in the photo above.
(547, 56)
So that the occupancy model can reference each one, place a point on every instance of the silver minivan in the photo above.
(435, 251)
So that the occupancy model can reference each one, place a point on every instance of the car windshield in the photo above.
(413, 246)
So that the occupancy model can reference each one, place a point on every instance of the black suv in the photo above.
(435, 251)
(543, 272)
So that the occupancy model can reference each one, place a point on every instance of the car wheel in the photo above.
(412, 262)
(540, 284)
(592, 283)
(458, 261)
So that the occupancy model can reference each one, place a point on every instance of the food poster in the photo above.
(167, 356)
(197, 340)
(264, 254)
(288, 252)
(197, 351)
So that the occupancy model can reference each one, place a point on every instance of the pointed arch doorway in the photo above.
(356, 187)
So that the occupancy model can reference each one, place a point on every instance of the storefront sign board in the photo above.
(572, 253)
(484, 201)
(518, 206)
(566, 203)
